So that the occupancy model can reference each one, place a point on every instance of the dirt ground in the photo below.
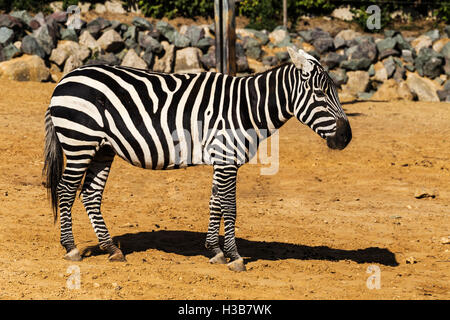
(311, 231)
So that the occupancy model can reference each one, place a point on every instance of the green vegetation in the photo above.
(263, 13)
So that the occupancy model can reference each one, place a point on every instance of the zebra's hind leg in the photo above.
(67, 190)
(92, 193)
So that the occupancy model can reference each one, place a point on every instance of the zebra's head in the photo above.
(316, 102)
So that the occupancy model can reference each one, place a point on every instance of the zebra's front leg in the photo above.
(226, 189)
(92, 194)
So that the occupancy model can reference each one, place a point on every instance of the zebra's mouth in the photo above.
(342, 137)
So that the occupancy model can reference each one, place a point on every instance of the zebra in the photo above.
(167, 121)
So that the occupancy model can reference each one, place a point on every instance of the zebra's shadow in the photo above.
(189, 243)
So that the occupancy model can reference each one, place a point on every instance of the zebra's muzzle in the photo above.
(342, 137)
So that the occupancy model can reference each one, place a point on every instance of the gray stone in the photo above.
(410, 67)
(270, 61)
(46, 37)
(282, 56)
(399, 73)
(69, 34)
(332, 59)
(181, 41)
(323, 44)
(10, 52)
(447, 30)
(356, 64)
(88, 41)
(364, 49)
(389, 65)
(148, 57)
(71, 64)
(111, 41)
(96, 26)
(37, 21)
(338, 42)
(387, 43)
(339, 77)
(388, 52)
(59, 16)
(148, 43)
(142, 23)
(107, 58)
(407, 55)
(446, 50)
(6, 36)
(279, 36)
(10, 22)
(194, 34)
(252, 48)
(165, 63)
(209, 61)
(241, 58)
(443, 94)
(205, 43)
(130, 33)
(390, 33)
(371, 71)
(31, 46)
(306, 35)
(317, 33)
(402, 44)
(433, 34)
(425, 89)
(22, 15)
(167, 30)
(429, 63)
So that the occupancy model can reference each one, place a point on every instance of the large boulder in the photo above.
(429, 63)
(111, 41)
(392, 90)
(24, 68)
(188, 60)
(31, 46)
(425, 89)
(131, 59)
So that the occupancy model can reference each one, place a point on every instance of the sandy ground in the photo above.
(311, 231)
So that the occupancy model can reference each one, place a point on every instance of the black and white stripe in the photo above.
(168, 121)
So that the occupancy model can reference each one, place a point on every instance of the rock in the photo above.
(433, 34)
(439, 44)
(348, 34)
(339, 77)
(402, 44)
(111, 41)
(67, 48)
(188, 60)
(387, 43)
(96, 26)
(37, 21)
(131, 59)
(194, 34)
(425, 89)
(323, 44)
(444, 95)
(317, 33)
(338, 42)
(71, 64)
(24, 68)
(380, 72)
(278, 36)
(107, 58)
(10, 22)
(429, 63)
(411, 260)
(241, 59)
(422, 41)
(356, 64)
(114, 6)
(147, 42)
(6, 36)
(209, 61)
(59, 16)
(282, 56)
(408, 56)
(148, 58)
(168, 31)
(205, 43)
(56, 6)
(69, 34)
(100, 8)
(165, 63)
(130, 33)
(270, 61)
(262, 37)
(181, 41)
(392, 90)
(389, 64)
(306, 35)
(390, 33)
(445, 51)
(32, 47)
(364, 49)
(387, 53)
(23, 16)
(343, 13)
(88, 41)
(252, 48)
(445, 240)
(10, 52)
(357, 82)
(332, 59)
(46, 37)
(142, 23)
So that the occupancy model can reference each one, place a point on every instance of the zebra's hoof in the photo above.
(218, 259)
(237, 265)
(117, 257)
(73, 255)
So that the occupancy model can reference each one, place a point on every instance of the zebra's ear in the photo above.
(300, 59)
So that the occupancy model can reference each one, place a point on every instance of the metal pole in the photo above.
(285, 14)
(225, 25)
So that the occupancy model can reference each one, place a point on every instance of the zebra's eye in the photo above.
(319, 93)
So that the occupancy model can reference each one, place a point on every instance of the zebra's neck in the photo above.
(268, 96)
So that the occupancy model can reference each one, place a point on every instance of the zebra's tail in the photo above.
(53, 163)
